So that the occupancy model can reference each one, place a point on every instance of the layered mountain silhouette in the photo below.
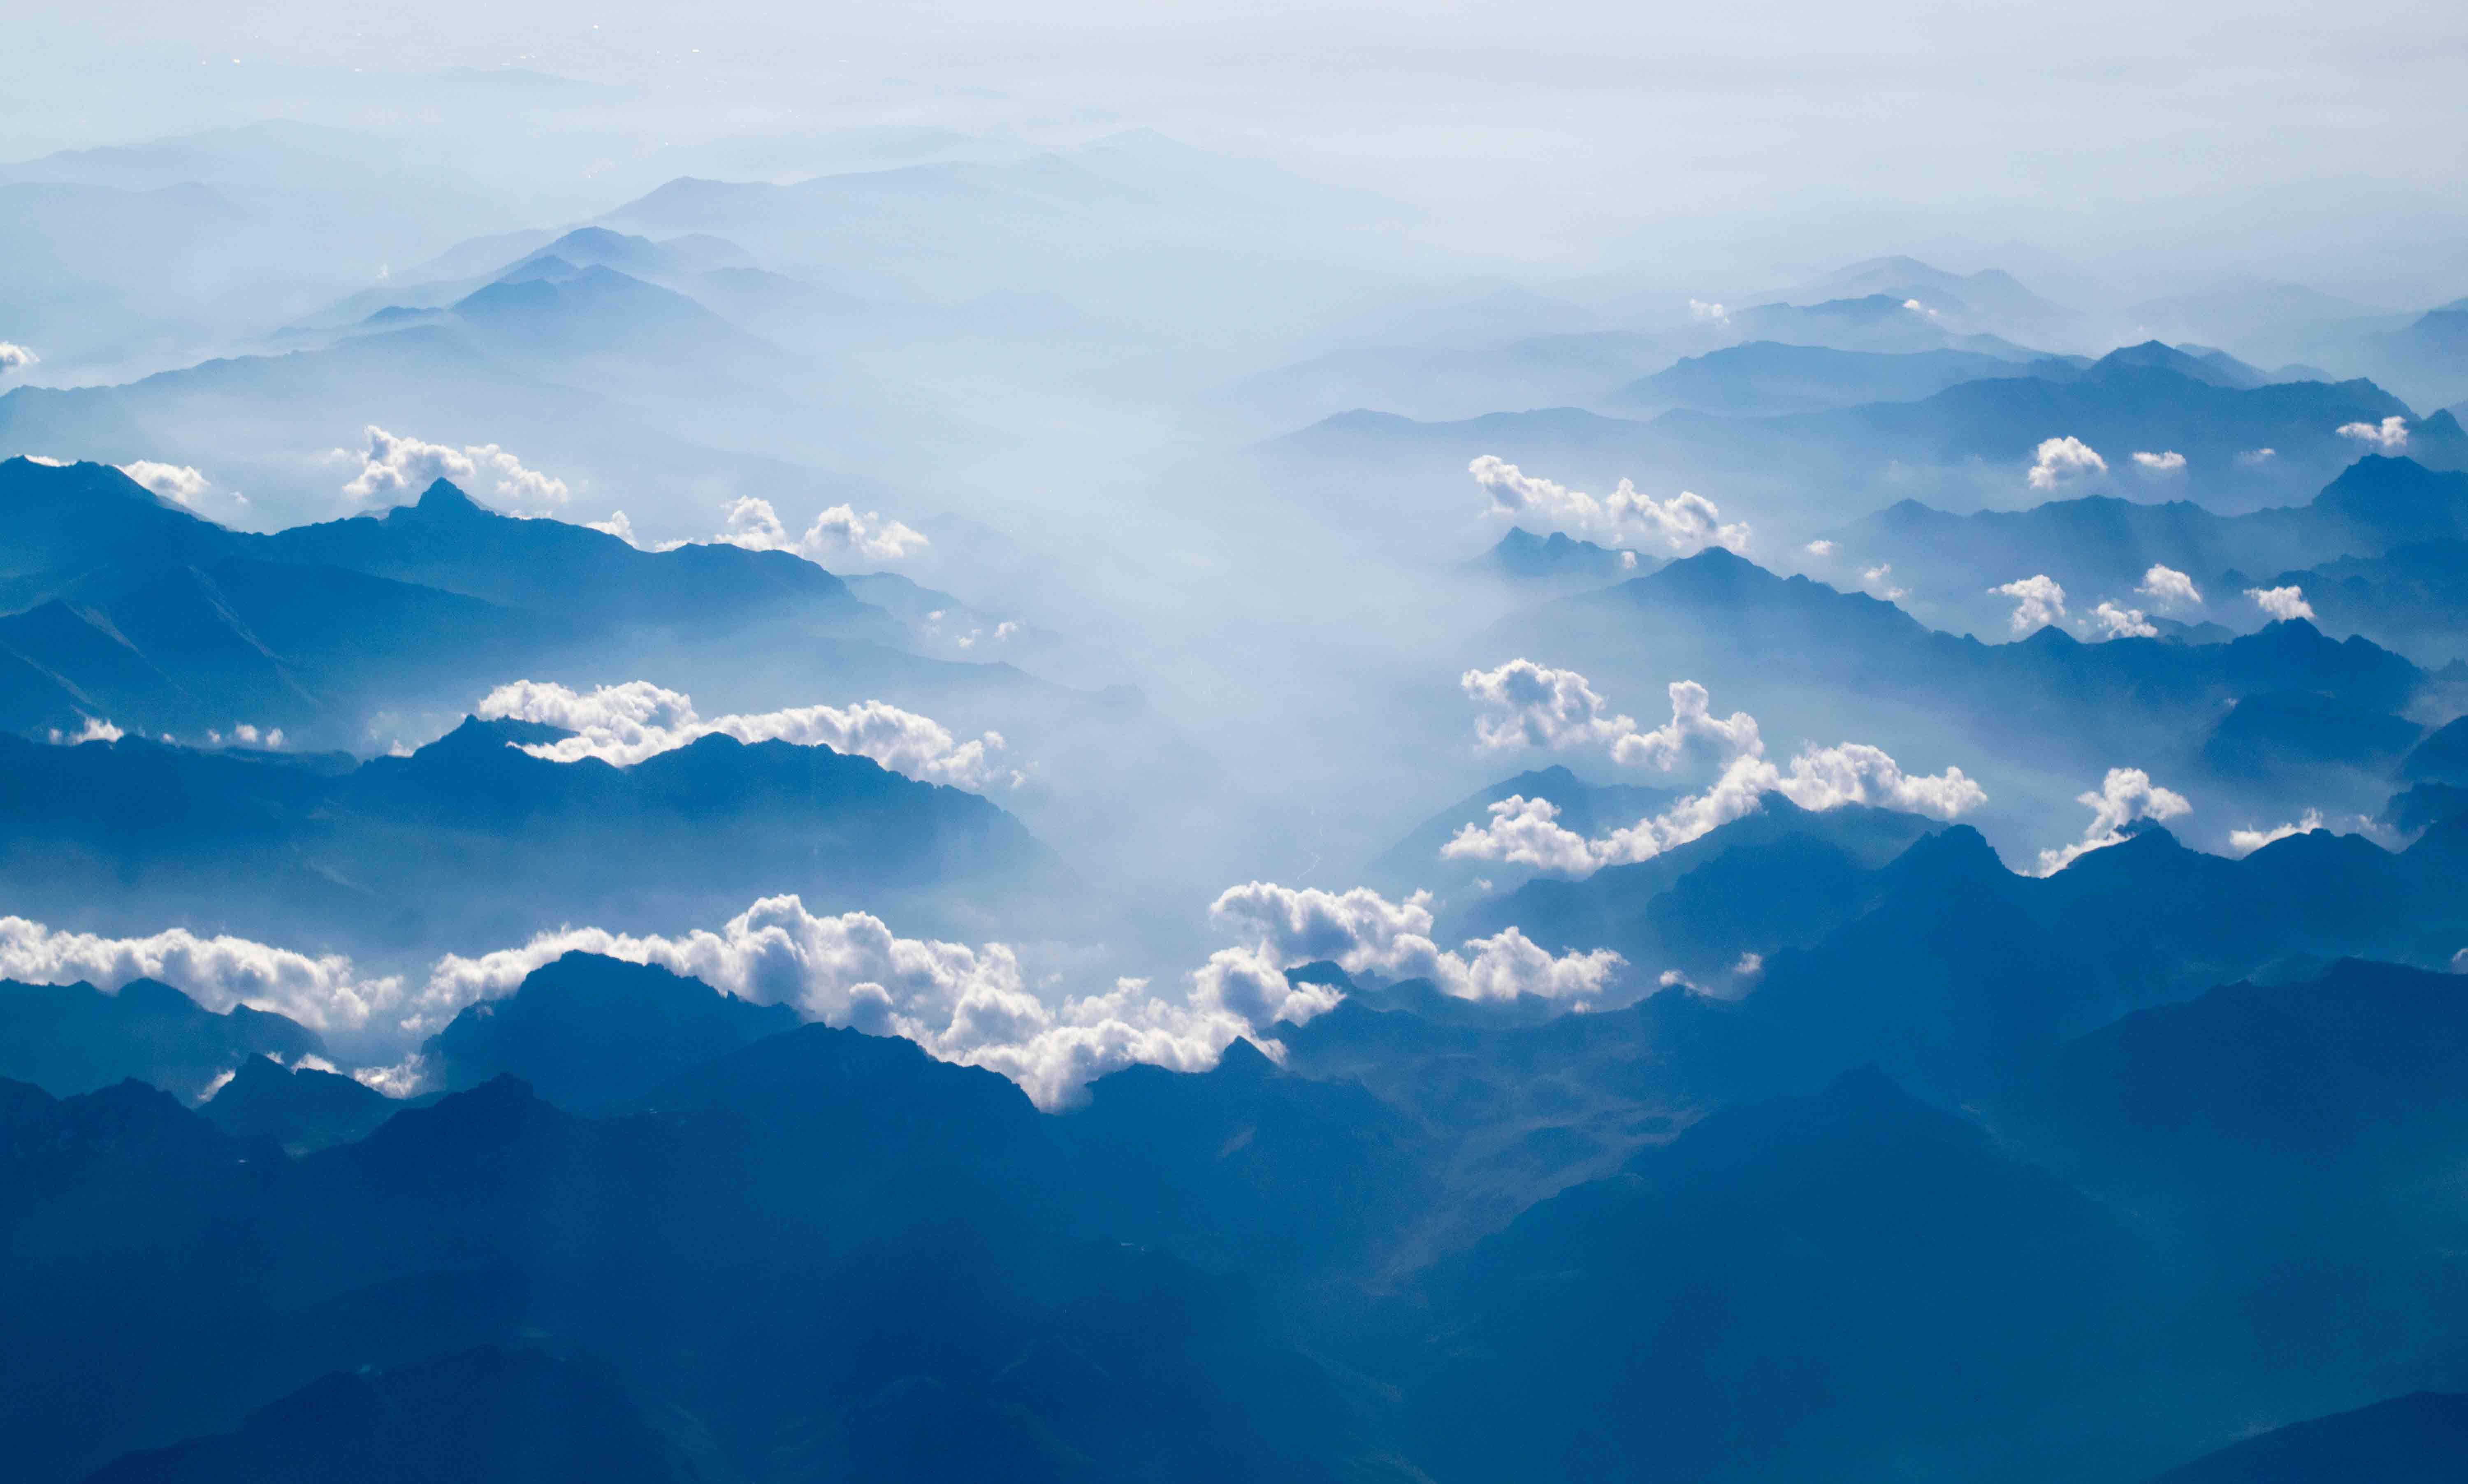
(75, 1039)
(2390, 522)
(472, 841)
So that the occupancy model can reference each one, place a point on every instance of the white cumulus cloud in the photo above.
(400, 466)
(15, 358)
(2167, 587)
(2283, 604)
(2116, 623)
(1687, 523)
(1532, 705)
(622, 724)
(2125, 795)
(2391, 435)
(2061, 460)
(2164, 463)
(1878, 581)
(1527, 832)
(95, 729)
(1819, 549)
(839, 535)
(175, 482)
(2038, 601)
(1363, 932)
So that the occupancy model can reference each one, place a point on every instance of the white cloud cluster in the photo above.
(2168, 463)
(2061, 460)
(837, 535)
(1532, 705)
(2038, 601)
(2168, 586)
(1363, 932)
(393, 468)
(325, 994)
(2283, 604)
(2245, 842)
(15, 358)
(616, 525)
(622, 724)
(1526, 832)
(2255, 458)
(1819, 549)
(95, 729)
(1704, 312)
(178, 483)
(2391, 435)
(2116, 623)
(1919, 309)
(1687, 523)
(2125, 795)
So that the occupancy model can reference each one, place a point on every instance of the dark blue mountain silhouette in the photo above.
(75, 1039)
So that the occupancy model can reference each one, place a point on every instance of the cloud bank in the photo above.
(622, 724)
(1363, 932)
(398, 469)
(2125, 795)
(1686, 523)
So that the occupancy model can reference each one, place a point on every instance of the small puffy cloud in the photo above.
(622, 724)
(2390, 436)
(616, 525)
(2168, 463)
(2038, 601)
(1878, 582)
(1686, 523)
(95, 729)
(1919, 309)
(2116, 623)
(14, 358)
(2167, 587)
(838, 536)
(1706, 312)
(1819, 549)
(2255, 458)
(326, 994)
(1363, 932)
(1527, 832)
(2282, 604)
(395, 468)
(2061, 460)
(2125, 795)
(2245, 842)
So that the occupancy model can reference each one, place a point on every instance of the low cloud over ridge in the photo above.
(396, 468)
(1686, 523)
(622, 724)
(1561, 708)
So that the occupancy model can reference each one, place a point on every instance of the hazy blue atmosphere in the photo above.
(1421, 743)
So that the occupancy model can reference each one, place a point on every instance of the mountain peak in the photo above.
(443, 497)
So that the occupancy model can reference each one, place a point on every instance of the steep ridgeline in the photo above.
(2036, 720)
(470, 843)
(1972, 444)
(68, 1039)
(2376, 552)
(819, 1256)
